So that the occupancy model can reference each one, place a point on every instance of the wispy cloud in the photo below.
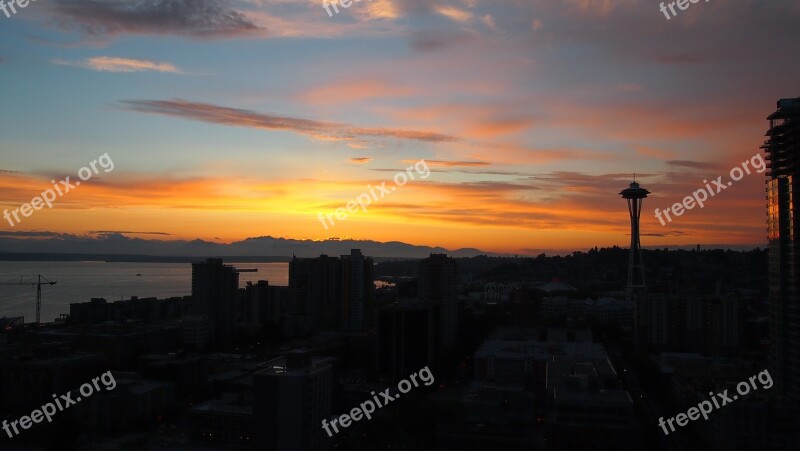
(214, 114)
(33, 234)
(360, 160)
(120, 232)
(447, 163)
(455, 14)
(114, 64)
(693, 164)
(195, 18)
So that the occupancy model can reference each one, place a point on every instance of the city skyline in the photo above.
(249, 118)
(363, 225)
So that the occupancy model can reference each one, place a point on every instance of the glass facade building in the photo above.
(782, 152)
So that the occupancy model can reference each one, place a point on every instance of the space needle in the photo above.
(635, 195)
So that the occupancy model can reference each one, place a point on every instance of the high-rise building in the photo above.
(438, 283)
(782, 147)
(329, 293)
(215, 290)
(291, 397)
(635, 195)
(358, 289)
(314, 286)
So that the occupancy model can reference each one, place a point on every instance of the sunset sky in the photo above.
(228, 120)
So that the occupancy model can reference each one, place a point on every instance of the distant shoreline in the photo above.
(127, 258)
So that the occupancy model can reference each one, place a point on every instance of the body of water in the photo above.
(81, 281)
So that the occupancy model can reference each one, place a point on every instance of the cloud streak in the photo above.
(114, 64)
(214, 114)
(447, 163)
(192, 18)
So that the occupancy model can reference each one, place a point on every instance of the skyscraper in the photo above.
(635, 195)
(438, 283)
(215, 289)
(329, 293)
(314, 285)
(782, 147)
(358, 289)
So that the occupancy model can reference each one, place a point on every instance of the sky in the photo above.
(234, 119)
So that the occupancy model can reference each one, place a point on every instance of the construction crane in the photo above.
(32, 280)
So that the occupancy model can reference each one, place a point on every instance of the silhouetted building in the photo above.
(291, 398)
(407, 337)
(358, 291)
(438, 284)
(148, 310)
(121, 343)
(215, 289)
(314, 286)
(329, 294)
(782, 149)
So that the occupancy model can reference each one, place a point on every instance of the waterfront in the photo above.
(81, 281)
